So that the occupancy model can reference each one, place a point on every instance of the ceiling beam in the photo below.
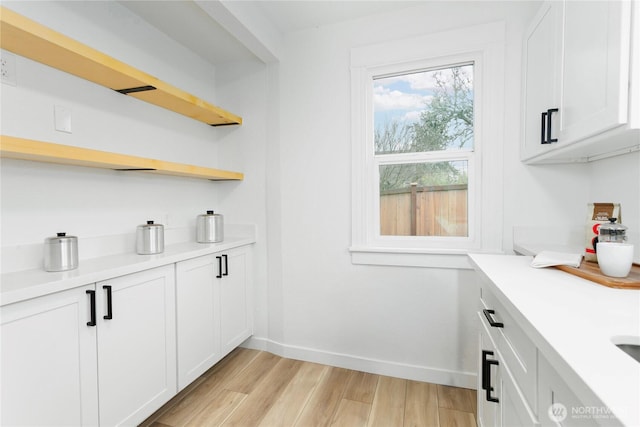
(244, 21)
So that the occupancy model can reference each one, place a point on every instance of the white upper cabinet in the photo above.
(543, 48)
(579, 92)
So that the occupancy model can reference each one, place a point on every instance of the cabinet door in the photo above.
(595, 68)
(515, 411)
(236, 323)
(558, 405)
(136, 345)
(488, 377)
(49, 363)
(198, 317)
(542, 51)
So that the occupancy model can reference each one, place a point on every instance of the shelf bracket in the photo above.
(135, 89)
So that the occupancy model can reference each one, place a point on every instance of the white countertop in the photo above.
(572, 321)
(23, 285)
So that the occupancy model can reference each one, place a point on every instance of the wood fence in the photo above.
(424, 211)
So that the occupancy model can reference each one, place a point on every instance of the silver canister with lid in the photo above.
(150, 238)
(60, 252)
(210, 228)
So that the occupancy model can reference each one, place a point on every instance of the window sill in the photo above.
(427, 258)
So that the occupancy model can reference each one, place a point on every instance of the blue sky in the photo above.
(403, 97)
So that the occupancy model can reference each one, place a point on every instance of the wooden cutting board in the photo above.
(590, 271)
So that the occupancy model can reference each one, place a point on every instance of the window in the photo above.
(427, 122)
(429, 114)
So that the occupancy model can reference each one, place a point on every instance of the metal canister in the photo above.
(150, 238)
(210, 228)
(60, 252)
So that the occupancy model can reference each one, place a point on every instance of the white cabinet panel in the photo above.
(502, 400)
(236, 323)
(515, 411)
(488, 410)
(558, 403)
(136, 347)
(198, 315)
(576, 82)
(49, 364)
(541, 80)
(595, 68)
(213, 309)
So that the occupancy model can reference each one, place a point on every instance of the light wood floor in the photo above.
(253, 388)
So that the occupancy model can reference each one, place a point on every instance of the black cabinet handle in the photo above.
(109, 315)
(486, 375)
(219, 276)
(490, 389)
(92, 300)
(545, 126)
(549, 117)
(543, 131)
(486, 380)
(492, 322)
(226, 265)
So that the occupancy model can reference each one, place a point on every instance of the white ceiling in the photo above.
(187, 23)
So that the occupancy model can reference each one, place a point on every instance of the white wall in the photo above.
(617, 180)
(294, 148)
(39, 199)
(401, 321)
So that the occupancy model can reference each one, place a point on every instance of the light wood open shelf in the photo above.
(32, 40)
(26, 149)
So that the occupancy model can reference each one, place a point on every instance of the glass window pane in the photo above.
(424, 199)
(424, 111)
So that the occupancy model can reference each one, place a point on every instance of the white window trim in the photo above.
(484, 46)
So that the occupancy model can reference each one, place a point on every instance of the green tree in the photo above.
(446, 123)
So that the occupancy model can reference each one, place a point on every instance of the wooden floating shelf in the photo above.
(26, 149)
(27, 38)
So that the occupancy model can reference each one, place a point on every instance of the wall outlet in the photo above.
(62, 118)
(8, 68)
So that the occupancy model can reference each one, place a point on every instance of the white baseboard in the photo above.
(374, 366)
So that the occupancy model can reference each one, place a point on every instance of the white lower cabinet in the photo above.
(560, 406)
(236, 320)
(198, 316)
(136, 345)
(489, 393)
(500, 401)
(213, 310)
(517, 385)
(113, 352)
(48, 367)
(100, 354)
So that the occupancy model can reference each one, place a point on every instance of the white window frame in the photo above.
(481, 45)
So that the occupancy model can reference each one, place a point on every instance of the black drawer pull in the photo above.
(226, 265)
(109, 315)
(92, 300)
(492, 322)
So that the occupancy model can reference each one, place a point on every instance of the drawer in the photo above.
(518, 351)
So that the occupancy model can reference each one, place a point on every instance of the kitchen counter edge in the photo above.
(23, 285)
